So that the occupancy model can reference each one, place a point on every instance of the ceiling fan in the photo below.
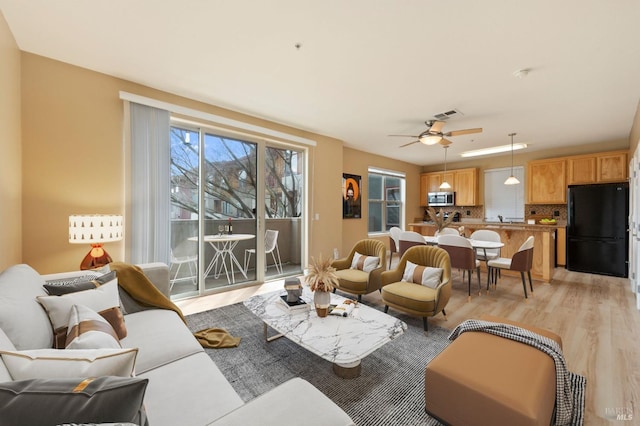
(434, 134)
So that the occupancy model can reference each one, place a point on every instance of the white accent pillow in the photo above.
(424, 275)
(88, 330)
(105, 300)
(364, 263)
(67, 363)
(21, 317)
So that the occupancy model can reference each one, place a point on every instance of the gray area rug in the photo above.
(390, 390)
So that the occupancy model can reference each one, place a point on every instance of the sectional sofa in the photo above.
(184, 386)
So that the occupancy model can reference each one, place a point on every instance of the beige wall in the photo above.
(357, 163)
(10, 150)
(73, 143)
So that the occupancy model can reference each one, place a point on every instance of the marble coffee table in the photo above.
(344, 341)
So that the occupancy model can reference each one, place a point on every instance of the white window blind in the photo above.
(504, 200)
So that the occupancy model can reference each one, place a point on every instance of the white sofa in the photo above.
(185, 386)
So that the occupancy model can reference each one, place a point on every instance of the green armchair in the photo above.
(417, 299)
(361, 281)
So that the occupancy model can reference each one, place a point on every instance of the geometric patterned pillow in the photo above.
(71, 285)
(424, 275)
(364, 263)
(88, 330)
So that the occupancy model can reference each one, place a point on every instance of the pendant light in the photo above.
(511, 180)
(445, 184)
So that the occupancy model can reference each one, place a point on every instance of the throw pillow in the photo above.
(104, 300)
(21, 317)
(57, 364)
(72, 285)
(40, 402)
(425, 275)
(364, 263)
(88, 330)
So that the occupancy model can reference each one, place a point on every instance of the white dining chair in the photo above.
(190, 261)
(270, 246)
(447, 231)
(394, 242)
(482, 254)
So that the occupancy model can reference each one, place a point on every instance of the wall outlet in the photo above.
(533, 212)
(468, 212)
(336, 254)
(556, 213)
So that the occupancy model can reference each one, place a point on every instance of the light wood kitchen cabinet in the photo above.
(547, 181)
(561, 246)
(466, 186)
(612, 167)
(597, 168)
(464, 182)
(581, 170)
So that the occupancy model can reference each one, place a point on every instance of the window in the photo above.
(386, 200)
(503, 200)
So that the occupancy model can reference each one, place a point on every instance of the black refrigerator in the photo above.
(597, 229)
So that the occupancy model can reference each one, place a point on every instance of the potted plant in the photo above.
(322, 279)
(438, 218)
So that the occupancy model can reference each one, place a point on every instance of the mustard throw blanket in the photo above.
(135, 282)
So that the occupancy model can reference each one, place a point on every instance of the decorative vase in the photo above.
(321, 300)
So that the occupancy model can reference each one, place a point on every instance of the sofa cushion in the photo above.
(319, 410)
(44, 402)
(21, 317)
(160, 336)
(88, 330)
(191, 391)
(104, 300)
(56, 363)
(5, 345)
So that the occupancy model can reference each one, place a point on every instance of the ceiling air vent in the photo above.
(444, 116)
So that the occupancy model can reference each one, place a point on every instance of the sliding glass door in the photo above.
(221, 236)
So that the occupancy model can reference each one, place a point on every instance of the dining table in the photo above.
(476, 244)
(223, 245)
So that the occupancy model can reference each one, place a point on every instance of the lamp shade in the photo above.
(96, 228)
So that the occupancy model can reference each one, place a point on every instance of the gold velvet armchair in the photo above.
(361, 280)
(413, 298)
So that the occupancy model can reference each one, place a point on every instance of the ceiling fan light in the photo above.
(511, 180)
(445, 185)
(430, 139)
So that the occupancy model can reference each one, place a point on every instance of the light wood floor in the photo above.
(595, 316)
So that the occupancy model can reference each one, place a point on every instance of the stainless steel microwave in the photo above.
(441, 199)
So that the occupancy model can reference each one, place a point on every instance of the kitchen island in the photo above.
(513, 235)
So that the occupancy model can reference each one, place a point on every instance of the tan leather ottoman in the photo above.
(482, 379)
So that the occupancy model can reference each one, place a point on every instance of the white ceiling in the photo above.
(368, 68)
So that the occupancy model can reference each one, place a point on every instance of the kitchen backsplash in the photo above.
(531, 211)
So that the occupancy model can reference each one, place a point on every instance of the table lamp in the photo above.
(95, 229)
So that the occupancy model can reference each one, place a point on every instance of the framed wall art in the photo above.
(351, 196)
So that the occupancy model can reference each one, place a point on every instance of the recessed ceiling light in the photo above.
(493, 150)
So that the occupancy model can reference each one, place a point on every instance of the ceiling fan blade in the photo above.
(437, 127)
(464, 132)
(444, 142)
(407, 144)
(406, 136)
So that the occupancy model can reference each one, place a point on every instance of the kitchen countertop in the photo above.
(497, 225)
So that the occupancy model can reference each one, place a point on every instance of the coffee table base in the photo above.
(348, 371)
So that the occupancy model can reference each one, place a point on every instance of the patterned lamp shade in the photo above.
(96, 228)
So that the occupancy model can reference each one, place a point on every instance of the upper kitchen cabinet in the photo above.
(612, 167)
(546, 181)
(464, 182)
(596, 168)
(466, 187)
